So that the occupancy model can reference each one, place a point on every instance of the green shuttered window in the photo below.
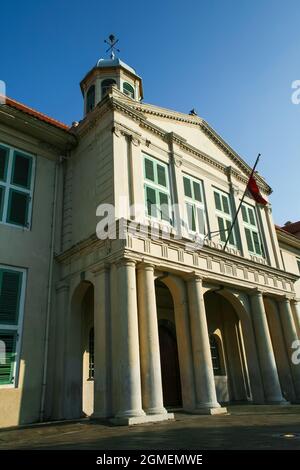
(253, 237)
(224, 217)
(16, 186)
(11, 286)
(194, 204)
(156, 187)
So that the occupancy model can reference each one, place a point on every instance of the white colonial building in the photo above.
(136, 324)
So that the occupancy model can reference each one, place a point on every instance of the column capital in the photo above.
(287, 298)
(190, 277)
(125, 262)
(145, 266)
(256, 291)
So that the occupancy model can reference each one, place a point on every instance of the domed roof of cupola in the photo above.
(115, 62)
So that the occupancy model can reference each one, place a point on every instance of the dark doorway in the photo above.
(169, 367)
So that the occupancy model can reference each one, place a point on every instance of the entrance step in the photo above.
(263, 409)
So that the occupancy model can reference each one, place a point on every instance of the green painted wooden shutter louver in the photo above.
(22, 171)
(164, 207)
(225, 205)
(10, 287)
(251, 217)
(187, 187)
(3, 162)
(244, 214)
(222, 229)
(1, 200)
(149, 170)
(151, 201)
(161, 175)
(218, 201)
(7, 357)
(197, 191)
(249, 240)
(18, 208)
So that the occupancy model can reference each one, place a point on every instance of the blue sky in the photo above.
(232, 60)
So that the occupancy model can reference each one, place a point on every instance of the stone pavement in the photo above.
(246, 427)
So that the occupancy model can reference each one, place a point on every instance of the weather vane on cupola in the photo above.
(112, 41)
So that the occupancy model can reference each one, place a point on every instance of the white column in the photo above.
(206, 398)
(152, 395)
(102, 359)
(127, 344)
(265, 351)
(296, 310)
(290, 334)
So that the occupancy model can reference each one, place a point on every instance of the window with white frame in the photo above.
(12, 287)
(224, 217)
(194, 205)
(253, 237)
(16, 186)
(157, 189)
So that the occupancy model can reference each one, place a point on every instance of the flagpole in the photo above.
(240, 205)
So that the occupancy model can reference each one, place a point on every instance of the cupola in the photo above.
(107, 73)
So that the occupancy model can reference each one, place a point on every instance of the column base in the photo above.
(206, 410)
(133, 420)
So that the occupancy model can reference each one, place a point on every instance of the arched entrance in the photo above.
(168, 347)
(227, 349)
(79, 396)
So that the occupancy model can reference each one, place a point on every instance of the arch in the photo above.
(177, 289)
(245, 376)
(79, 394)
(128, 90)
(106, 84)
(90, 99)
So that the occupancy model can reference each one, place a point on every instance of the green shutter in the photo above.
(151, 202)
(149, 170)
(191, 217)
(249, 240)
(164, 206)
(231, 237)
(225, 205)
(222, 229)
(7, 356)
(244, 214)
(21, 175)
(1, 201)
(201, 220)
(197, 191)
(3, 162)
(256, 240)
(251, 216)
(187, 187)
(10, 290)
(18, 208)
(161, 175)
(218, 201)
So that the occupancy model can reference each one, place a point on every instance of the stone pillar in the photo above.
(206, 398)
(296, 310)
(102, 359)
(127, 356)
(265, 351)
(290, 334)
(152, 395)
